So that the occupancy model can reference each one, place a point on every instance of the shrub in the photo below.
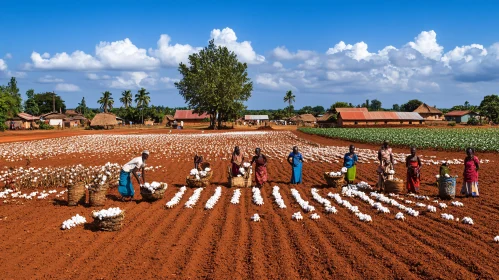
(451, 124)
(45, 126)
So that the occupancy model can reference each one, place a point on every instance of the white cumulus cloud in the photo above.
(244, 51)
(124, 55)
(47, 79)
(78, 60)
(172, 55)
(426, 44)
(284, 54)
(3, 65)
(67, 87)
(132, 80)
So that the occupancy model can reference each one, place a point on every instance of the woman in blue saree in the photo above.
(295, 159)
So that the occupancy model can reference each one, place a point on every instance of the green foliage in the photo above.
(451, 123)
(44, 102)
(396, 108)
(340, 104)
(411, 105)
(473, 121)
(289, 98)
(215, 82)
(13, 90)
(106, 101)
(9, 106)
(126, 98)
(82, 107)
(45, 126)
(489, 107)
(446, 139)
(142, 99)
(30, 105)
(375, 105)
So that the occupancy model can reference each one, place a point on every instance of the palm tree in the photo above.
(289, 98)
(126, 98)
(106, 101)
(142, 99)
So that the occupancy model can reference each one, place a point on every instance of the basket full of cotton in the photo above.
(153, 191)
(335, 179)
(199, 178)
(243, 178)
(108, 219)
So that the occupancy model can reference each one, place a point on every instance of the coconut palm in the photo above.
(126, 98)
(289, 98)
(106, 101)
(142, 99)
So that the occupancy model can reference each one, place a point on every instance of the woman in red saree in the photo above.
(260, 167)
(471, 167)
(237, 161)
(413, 164)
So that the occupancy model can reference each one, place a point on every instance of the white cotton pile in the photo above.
(297, 216)
(42, 196)
(207, 169)
(447, 176)
(203, 174)
(5, 193)
(194, 198)
(457, 203)
(344, 170)
(213, 199)
(52, 191)
(278, 198)
(334, 174)
(242, 171)
(331, 210)
(194, 172)
(496, 239)
(378, 206)
(107, 213)
(412, 212)
(364, 217)
(236, 196)
(419, 197)
(154, 186)
(257, 196)
(467, 220)
(438, 176)
(435, 201)
(420, 204)
(176, 198)
(409, 202)
(351, 191)
(391, 172)
(74, 221)
(447, 216)
(442, 205)
(319, 198)
(303, 203)
(363, 186)
(400, 216)
(255, 218)
(315, 216)
(246, 164)
(432, 209)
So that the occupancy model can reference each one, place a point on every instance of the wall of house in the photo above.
(55, 122)
(365, 123)
(431, 117)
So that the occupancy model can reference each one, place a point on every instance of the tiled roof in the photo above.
(188, 115)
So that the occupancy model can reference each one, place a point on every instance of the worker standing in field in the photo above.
(350, 162)
(260, 161)
(125, 187)
(385, 158)
(470, 180)
(237, 161)
(413, 164)
(197, 160)
(295, 159)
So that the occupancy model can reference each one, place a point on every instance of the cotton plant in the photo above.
(278, 198)
(191, 202)
(107, 213)
(257, 196)
(73, 222)
(176, 198)
(305, 205)
(213, 199)
(236, 196)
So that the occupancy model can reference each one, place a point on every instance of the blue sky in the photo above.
(441, 52)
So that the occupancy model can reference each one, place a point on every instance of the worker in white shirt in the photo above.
(125, 186)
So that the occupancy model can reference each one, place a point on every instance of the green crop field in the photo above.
(481, 139)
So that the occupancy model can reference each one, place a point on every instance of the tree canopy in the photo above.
(44, 102)
(142, 99)
(106, 101)
(411, 105)
(340, 104)
(489, 107)
(215, 82)
(30, 105)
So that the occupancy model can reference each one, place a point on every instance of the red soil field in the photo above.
(223, 243)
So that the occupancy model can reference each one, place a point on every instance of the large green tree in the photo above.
(411, 105)
(126, 98)
(289, 98)
(82, 107)
(489, 107)
(106, 101)
(375, 105)
(396, 107)
(30, 105)
(318, 110)
(14, 92)
(142, 99)
(45, 102)
(340, 104)
(8, 106)
(215, 82)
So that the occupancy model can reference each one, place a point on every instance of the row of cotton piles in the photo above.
(236, 196)
(176, 198)
(278, 198)
(351, 191)
(305, 205)
(257, 196)
(457, 204)
(213, 199)
(419, 204)
(326, 203)
(73, 222)
(354, 209)
(154, 186)
(255, 218)
(194, 198)
(419, 197)
(107, 213)
(382, 198)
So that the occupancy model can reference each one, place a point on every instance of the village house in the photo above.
(379, 118)
(188, 117)
(429, 113)
(460, 116)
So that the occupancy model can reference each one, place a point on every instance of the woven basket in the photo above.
(447, 188)
(97, 196)
(240, 182)
(334, 181)
(158, 194)
(76, 194)
(204, 165)
(394, 186)
(202, 183)
(109, 224)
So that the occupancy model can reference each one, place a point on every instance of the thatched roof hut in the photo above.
(104, 119)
